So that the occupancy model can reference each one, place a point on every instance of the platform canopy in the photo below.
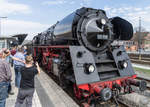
(20, 37)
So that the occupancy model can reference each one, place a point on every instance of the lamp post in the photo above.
(139, 39)
(0, 23)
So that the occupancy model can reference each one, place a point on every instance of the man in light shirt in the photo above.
(18, 65)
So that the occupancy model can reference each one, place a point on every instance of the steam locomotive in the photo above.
(79, 51)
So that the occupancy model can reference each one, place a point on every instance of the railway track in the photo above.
(147, 80)
(123, 104)
(143, 59)
(141, 78)
(140, 61)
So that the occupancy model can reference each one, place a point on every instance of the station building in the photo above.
(6, 42)
(10, 41)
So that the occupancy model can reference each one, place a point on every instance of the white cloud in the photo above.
(13, 8)
(106, 8)
(69, 2)
(137, 9)
(147, 8)
(56, 2)
(10, 27)
(85, 3)
(132, 14)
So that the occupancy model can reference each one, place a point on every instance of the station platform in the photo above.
(47, 94)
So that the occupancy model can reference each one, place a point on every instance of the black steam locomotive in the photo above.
(79, 50)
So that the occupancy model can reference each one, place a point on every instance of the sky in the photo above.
(34, 16)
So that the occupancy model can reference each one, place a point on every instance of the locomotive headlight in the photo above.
(103, 21)
(91, 68)
(125, 64)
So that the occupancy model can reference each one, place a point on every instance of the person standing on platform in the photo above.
(13, 52)
(18, 65)
(7, 56)
(5, 78)
(25, 51)
(26, 89)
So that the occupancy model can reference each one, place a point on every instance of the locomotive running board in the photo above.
(80, 55)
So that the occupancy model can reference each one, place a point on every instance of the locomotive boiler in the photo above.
(79, 51)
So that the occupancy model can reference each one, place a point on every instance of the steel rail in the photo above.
(145, 79)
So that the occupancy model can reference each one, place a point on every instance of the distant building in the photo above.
(10, 41)
(6, 42)
(147, 42)
(132, 45)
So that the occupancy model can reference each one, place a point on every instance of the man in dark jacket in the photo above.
(5, 78)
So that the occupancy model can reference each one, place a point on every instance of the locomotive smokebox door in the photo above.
(83, 65)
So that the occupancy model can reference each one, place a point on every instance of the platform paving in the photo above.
(47, 94)
(55, 93)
